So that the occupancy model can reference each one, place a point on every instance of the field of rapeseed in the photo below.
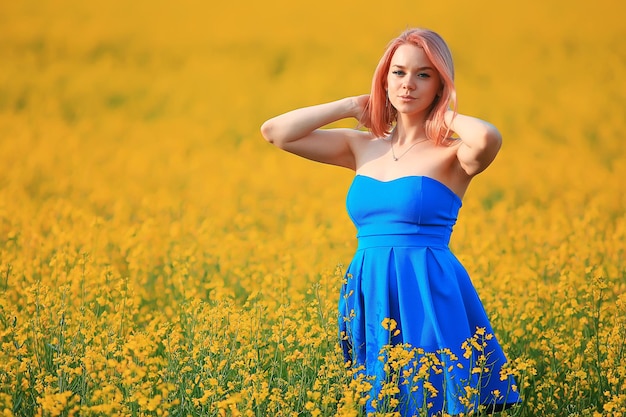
(158, 258)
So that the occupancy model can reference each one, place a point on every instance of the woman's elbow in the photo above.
(492, 138)
(497, 141)
(273, 134)
(267, 131)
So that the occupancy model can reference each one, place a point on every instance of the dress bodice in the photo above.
(420, 208)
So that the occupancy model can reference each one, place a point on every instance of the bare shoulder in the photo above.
(451, 143)
(448, 168)
(446, 151)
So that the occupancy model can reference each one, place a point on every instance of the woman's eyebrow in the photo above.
(419, 68)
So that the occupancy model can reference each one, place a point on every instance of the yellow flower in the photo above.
(389, 324)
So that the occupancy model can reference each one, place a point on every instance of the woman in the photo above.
(411, 323)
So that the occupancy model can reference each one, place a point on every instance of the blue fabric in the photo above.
(404, 270)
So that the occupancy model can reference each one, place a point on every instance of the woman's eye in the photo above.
(398, 72)
(423, 75)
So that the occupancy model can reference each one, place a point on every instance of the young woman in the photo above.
(404, 287)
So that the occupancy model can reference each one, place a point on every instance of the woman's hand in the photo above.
(361, 105)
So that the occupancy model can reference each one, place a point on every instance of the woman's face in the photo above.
(412, 81)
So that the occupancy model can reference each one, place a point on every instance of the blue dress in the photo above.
(410, 321)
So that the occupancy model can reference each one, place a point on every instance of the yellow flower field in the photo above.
(157, 257)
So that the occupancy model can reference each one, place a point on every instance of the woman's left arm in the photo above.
(480, 141)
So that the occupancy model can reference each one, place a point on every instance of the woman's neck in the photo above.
(409, 131)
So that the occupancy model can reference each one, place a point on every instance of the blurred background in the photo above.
(127, 111)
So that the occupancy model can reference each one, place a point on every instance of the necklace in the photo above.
(393, 153)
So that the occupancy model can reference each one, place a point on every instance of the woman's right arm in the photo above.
(299, 131)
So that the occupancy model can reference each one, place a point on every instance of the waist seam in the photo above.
(389, 241)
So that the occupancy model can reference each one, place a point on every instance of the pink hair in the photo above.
(382, 114)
